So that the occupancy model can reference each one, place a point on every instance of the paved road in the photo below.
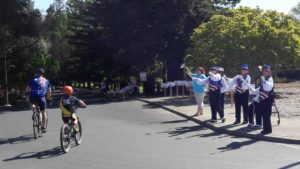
(134, 135)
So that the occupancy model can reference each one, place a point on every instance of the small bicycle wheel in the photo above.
(36, 130)
(65, 138)
(78, 135)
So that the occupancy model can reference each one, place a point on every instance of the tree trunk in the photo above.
(174, 71)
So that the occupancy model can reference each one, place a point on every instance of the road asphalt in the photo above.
(135, 135)
(287, 131)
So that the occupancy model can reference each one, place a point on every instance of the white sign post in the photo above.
(143, 76)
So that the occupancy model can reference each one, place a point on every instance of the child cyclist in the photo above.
(68, 105)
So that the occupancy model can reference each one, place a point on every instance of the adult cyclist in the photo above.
(38, 89)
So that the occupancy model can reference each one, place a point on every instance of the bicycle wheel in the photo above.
(36, 130)
(78, 135)
(65, 138)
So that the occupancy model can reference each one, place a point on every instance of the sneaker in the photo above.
(44, 130)
(237, 122)
(250, 125)
(213, 121)
(223, 120)
(245, 122)
(257, 126)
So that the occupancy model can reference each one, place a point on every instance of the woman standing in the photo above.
(199, 90)
(214, 82)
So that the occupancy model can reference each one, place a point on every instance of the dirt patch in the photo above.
(288, 101)
(288, 85)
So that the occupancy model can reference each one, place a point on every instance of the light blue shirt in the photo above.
(197, 88)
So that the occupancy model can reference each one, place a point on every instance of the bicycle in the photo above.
(68, 133)
(37, 121)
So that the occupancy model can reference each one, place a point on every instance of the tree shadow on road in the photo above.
(183, 130)
(236, 145)
(211, 134)
(290, 165)
(17, 140)
(54, 152)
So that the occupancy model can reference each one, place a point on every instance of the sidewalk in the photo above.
(287, 132)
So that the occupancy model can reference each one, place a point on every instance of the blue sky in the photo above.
(279, 5)
(42, 4)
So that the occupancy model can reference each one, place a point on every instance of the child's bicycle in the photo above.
(68, 133)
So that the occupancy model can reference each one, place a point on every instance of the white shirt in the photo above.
(224, 87)
(245, 82)
(213, 77)
(267, 85)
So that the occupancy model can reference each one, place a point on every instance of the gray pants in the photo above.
(200, 99)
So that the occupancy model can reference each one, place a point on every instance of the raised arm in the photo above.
(200, 81)
(232, 81)
(253, 91)
(224, 84)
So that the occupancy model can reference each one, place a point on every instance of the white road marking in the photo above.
(289, 146)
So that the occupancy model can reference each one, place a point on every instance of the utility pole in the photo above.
(6, 82)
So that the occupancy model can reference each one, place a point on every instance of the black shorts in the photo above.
(39, 101)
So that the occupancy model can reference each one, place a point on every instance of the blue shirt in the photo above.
(38, 86)
(196, 87)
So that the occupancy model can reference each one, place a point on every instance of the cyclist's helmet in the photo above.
(68, 90)
(39, 71)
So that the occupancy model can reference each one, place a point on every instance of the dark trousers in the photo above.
(253, 110)
(265, 109)
(221, 105)
(241, 100)
(215, 106)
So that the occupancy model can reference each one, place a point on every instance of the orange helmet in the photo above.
(68, 90)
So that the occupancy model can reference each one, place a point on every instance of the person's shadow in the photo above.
(17, 140)
(56, 151)
(236, 145)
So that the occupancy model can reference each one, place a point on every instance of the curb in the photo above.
(225, 131)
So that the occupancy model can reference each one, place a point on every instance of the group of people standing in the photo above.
(216, 84)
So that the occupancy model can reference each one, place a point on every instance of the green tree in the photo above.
(246, 35)
(122, 37)
(20, 27)
(55, 33)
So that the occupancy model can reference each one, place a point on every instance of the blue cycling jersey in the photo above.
(39, 86)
